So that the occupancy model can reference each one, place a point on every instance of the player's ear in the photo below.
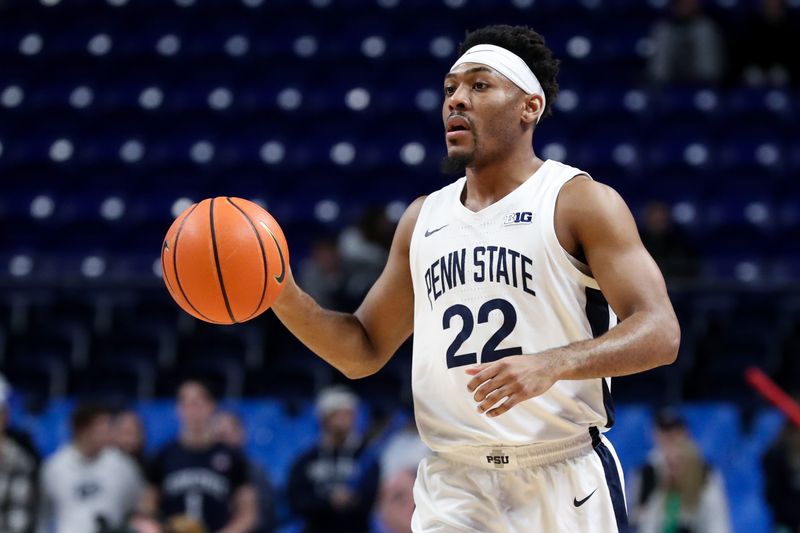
(533, 108)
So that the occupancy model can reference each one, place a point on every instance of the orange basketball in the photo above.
(224, 260)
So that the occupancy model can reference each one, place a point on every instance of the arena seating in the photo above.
(113, 120)
(279, 432)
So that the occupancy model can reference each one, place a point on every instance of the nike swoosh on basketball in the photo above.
(430, 232)
(578, 503)
(279, 277)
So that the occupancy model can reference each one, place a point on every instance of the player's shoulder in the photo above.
(585, 194)
(407, 222)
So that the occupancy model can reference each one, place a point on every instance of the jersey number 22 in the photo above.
(490, 352)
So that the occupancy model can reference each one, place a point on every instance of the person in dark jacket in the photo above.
(229, 430)
(333, 485)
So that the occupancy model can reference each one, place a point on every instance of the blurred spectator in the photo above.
(764, 50)
(87, 485)
(396, 502)
(333, 485)
(229, 430)
(399, 462)
(668, 246)
(128, 435)
(782, 479)
(364, 249)
(688, 46)
(18, 478)
(21, 438)
(677, 490)
(198, 479)
(322, 275)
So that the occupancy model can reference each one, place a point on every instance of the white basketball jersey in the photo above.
(495, 283)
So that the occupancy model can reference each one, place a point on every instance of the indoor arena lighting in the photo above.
(555, 151)
(20, 265)
(220, 98)
(180, 205)
(412, 153)
(357, 99)
(289, 99)
(100, 44)
(31, 44)
(326, 210)
(168, 45)
(202, 152)
(305, 46)
(442, 47)
(42, 206)
(373, 46)
(131, 151)
(272, 152)
(112, 208)
(12, 96)
(237, 45)
(61, 150)
(151, 98)
(81, 97)
(343, 153)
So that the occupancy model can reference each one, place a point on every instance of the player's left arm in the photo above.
(593, 218)
(245, 511)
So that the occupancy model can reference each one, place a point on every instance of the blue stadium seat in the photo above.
(160, 422)
(717, 428)
(766, 427)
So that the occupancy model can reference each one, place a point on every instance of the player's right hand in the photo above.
(509, 381)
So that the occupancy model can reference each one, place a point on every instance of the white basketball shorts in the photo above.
(572, 486)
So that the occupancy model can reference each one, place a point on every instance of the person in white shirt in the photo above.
(87, 485)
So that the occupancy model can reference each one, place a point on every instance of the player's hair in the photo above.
(85, 415)
(527, 44)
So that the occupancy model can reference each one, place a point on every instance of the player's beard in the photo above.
(457, 165)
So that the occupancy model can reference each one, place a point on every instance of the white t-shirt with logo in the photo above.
(77, 490)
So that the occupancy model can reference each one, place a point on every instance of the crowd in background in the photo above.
(350, 481)
(102, 480)
(690, 46)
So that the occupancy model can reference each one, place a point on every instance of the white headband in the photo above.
(506, 63)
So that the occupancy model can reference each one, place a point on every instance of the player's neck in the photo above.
(489, 183)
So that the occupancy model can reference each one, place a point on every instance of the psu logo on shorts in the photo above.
(498, 459)
(520, 217)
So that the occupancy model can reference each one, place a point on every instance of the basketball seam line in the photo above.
(216, 262)
(175, 266)
(263, 256)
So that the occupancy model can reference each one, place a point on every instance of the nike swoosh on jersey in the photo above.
(430, 232)
(578, 503)
(279, 277)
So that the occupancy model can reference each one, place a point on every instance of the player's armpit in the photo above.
(599, 221)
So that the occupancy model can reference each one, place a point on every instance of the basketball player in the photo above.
(527, 287)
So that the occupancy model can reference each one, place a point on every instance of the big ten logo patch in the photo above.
(520, 217)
